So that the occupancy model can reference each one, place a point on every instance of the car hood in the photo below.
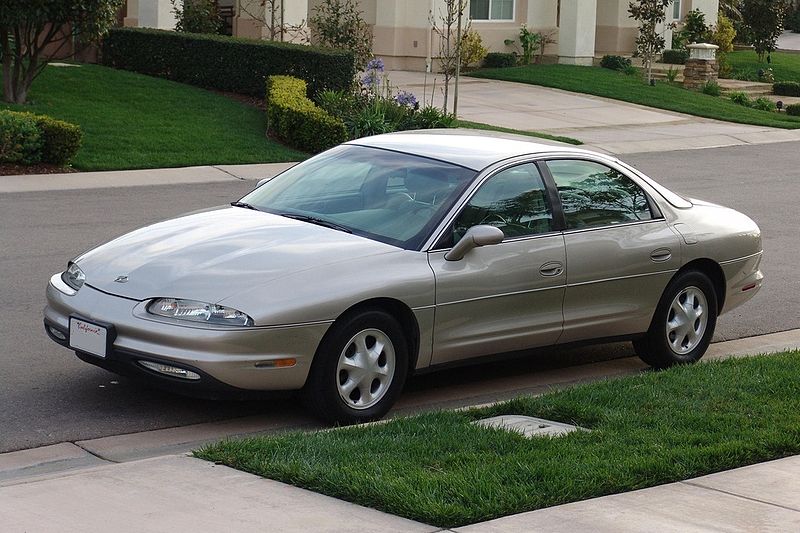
(210, 255)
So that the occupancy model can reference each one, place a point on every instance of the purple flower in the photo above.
(370, 79)
(376, 63)
(406, 98)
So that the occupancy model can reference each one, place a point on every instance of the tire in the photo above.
(683, 323)
(350, 381)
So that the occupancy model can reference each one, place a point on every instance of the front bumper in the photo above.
(225, 358)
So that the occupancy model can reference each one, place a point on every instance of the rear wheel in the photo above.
(683, 324)
(359, 369)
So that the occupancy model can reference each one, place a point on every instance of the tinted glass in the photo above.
(513, 200)
(502, 9)
(387, 196)
(596, 195)
(479, 9)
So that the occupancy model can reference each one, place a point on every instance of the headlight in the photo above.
(198, 312)
(73, 276)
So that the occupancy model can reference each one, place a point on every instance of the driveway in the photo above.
(789, 41)
(603, 124)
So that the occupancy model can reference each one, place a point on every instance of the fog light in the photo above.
(277, 363)
(56, 333)
(169, 370)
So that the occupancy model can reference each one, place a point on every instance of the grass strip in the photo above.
(647, 429)
(538, 134)
(745, 65)
(618, 86)
(134, 121)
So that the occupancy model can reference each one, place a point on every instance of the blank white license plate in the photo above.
(88, 337)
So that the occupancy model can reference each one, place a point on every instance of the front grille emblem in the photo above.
(122, 279)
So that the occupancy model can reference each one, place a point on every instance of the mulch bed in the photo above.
(7, 169)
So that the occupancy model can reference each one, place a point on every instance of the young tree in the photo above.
(445, 26)
(196, 16)
(28, 28)
(270, 14)
(764, 20)
(341, 24)
(650, 42)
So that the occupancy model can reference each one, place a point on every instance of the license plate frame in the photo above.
(90, 337)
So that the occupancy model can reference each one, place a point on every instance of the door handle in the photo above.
(661, 255)
(553, 268)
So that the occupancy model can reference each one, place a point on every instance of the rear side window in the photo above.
(596, 195)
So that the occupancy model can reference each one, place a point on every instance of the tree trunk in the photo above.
(8, 88)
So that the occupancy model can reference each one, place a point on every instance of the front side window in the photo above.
(387, 196)
(514, 200)
(491, 9)
(595, 195)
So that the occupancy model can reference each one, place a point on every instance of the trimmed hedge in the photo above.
(793, 110)
(786, 88)
(28, 139)
(20, 139)
(225, 63)
(61, 140)
(675, 57)
(615, 62)
(296, 120)
(499, 60)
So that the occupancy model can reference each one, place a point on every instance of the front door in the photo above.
(508, 296)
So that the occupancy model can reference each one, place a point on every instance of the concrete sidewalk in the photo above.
(602, 124)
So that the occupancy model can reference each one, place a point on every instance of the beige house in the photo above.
(580, 29)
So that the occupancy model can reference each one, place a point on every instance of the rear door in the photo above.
(620, 254)
(508, 296)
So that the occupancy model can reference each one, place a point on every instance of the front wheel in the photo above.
(359, 369)
(683, 324)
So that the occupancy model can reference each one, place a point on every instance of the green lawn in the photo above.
(648, 429)
(611, 84)
(785, 65)
(134, 121)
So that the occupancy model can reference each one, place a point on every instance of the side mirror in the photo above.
(475, 236)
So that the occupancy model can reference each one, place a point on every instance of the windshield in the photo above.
(387, 196)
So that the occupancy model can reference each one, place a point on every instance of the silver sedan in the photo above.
(402, 252)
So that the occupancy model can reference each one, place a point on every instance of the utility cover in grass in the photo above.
(528, 426)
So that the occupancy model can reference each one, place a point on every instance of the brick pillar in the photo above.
(702, 65)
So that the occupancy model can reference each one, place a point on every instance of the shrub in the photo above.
(61, 140)
(711, 88)
(472, 49)
(295, 119)
(793, 110)
(340, 24)
(499, 60)
(225, 63)
(695, 29)
(630, 70)
(674, 57)
(786, 88)
(196, 16)
(740, 98)
(615, 62)
(723, 35)
(792, 21)
(763, 103)
(20, 139)
(431, 117)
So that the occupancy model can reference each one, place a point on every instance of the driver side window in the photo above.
(514, 200)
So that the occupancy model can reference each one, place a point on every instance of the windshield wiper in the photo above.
(317, 221)
(245, 205)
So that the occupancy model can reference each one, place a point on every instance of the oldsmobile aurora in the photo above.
(402, 252)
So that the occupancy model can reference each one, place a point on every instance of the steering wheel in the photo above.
(398, 199)
(494, 219)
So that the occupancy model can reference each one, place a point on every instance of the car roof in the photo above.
(474, 149)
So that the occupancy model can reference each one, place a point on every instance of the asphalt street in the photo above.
(47, 395)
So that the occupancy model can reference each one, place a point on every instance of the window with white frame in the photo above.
(676, 10)
(491, 9)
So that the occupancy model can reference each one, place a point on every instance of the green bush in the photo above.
(432, 117)
(711, 88)
(674, 57)
(499, 60)
(615, 62)
(225, 63)
(296, 120)
(786, 88)
(20, 139)
(763, 103)
(740, 98)
(61, 140)
(196, 16)
(793, 110)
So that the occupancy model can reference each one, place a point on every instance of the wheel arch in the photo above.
(399, 311)
(714, 271)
